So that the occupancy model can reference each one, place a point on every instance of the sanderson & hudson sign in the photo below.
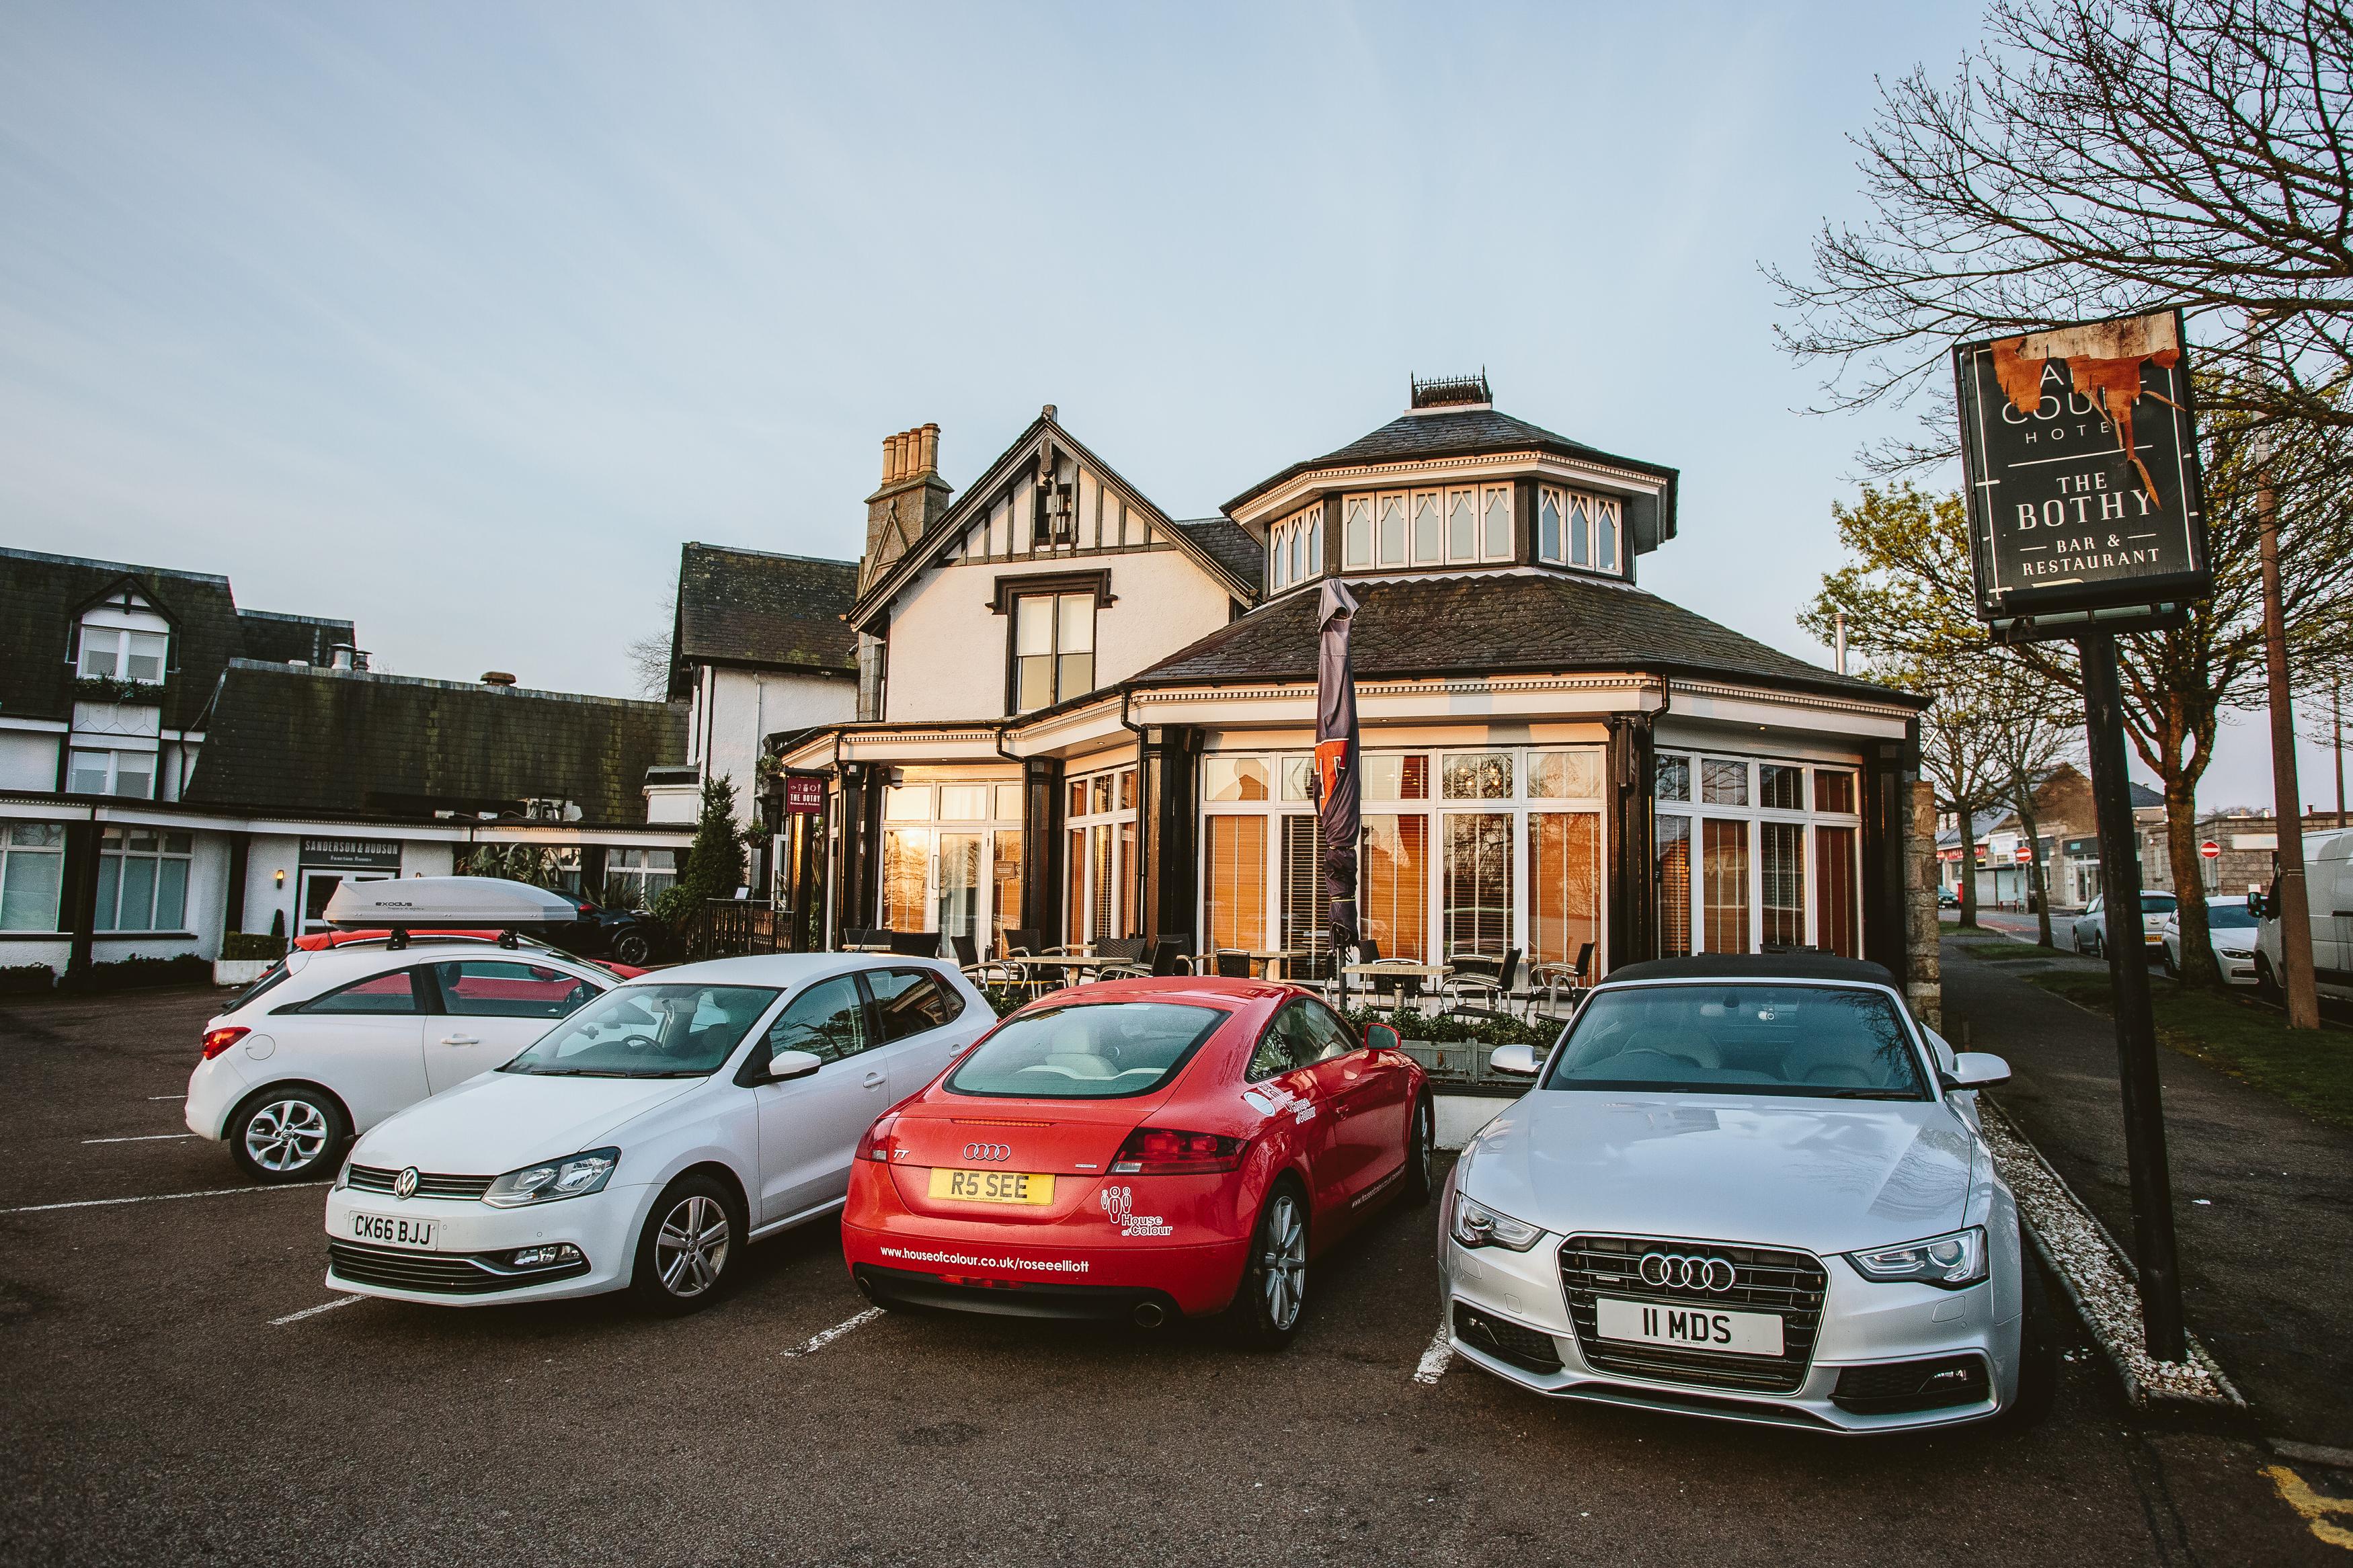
(2086, 505)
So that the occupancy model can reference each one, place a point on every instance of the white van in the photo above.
(2328, 883)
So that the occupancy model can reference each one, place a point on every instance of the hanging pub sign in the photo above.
(804, 794)
(2080, 448)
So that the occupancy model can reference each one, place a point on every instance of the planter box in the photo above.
(240, 971)
(1460, 1066)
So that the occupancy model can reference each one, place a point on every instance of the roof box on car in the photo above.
(421, 902)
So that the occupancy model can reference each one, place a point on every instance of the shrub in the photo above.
(239, 944)
(17, 979)
(714, 862)
(130, 973)
(1448, 1028)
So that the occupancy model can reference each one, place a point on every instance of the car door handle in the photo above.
(876, 1079)
(459, 1040)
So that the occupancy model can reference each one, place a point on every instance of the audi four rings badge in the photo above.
(1672, 1272)
(996, 1152)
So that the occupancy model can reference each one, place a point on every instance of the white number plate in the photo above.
(1691, 1328)
(385, 1231)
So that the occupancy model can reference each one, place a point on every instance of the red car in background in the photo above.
(1140, 1150)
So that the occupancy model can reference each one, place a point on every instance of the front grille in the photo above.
(1506, 1341)
(1764, 1281)
(442, 1273)
(379, 1179)
(1901, 1385)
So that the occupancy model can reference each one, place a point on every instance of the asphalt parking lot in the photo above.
(181, 1386)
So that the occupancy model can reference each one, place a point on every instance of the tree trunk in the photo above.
(2036, 889)
(1968, 867)
(2198, 966)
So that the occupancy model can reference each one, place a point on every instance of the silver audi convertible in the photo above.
(1748, 1187)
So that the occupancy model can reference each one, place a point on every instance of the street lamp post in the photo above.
(2294, 910)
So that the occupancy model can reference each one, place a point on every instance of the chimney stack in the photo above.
(911, 498)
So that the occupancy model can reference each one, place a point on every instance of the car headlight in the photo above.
(1476, 1225)
(575, 1175)
(1948, 1262)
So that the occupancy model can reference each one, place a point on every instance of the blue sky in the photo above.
(457, 320)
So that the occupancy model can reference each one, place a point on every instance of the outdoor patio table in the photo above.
(1274, 963)
(1069, 963)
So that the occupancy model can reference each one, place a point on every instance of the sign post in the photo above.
(2087, 518)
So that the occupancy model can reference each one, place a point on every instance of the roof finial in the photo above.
(1451, 391)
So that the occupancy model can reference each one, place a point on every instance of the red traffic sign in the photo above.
(2209, 849)
(2023, 853)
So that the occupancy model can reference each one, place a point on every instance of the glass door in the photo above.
(963, 886)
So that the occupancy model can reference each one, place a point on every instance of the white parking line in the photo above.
(165, 1198)
(142, 1138)
(314, 1312)
(167, 1097)
(819, 1342)
(1437, 1358)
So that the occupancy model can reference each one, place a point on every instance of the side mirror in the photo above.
(2255, 905)
(1976, 1069)
(1382, 1037)
(1519, 1060)
(786, 1065)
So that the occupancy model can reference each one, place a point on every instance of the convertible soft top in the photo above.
(1756, 966)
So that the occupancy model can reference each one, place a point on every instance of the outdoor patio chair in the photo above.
(1169, 957)
(1127, 952)
(1479, 990)
(916, 944)
(982, 972)
(857, 936)
(1232, 963)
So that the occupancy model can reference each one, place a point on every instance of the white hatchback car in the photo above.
(328, 1044)
(2230, 930)
(649, 1136)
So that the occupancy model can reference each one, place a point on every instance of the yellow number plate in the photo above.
(992, 1187)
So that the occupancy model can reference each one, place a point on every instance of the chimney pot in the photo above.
(929, 459)
(889, 453)
(497, 677)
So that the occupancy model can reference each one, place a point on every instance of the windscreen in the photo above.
(1823, 1041)
(2157, 903)
(1106, 1050)
(648, 1031)
(2229, 917)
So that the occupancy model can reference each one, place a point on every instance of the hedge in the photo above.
(246, 944)
(127, 973)
(20, 978)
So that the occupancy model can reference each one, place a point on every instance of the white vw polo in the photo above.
(642, 1141)
(1746, 1187)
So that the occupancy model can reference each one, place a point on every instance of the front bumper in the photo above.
(1506, 1312)
(466, 1265)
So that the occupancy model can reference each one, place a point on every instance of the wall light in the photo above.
(280, 877)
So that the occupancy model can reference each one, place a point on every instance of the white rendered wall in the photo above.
(947, 651)
(735, 710)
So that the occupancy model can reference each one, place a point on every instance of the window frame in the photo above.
(121, 855)
(1587, 521)
(1054, 598)
(113, 755)
(1695, 809)
(11, 851)
(421, 996)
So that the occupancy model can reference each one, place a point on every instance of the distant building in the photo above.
(173, 767)
(2068, 825)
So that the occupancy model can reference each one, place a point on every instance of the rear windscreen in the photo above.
(1104, 1050)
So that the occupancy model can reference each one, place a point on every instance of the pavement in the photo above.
(181, 1388)
(2263, 1192)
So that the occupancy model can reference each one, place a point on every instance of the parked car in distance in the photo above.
(2089, 931)
(2328, 893)
(2230, 932)
(332, 1041)
(1746, 1187)
(645, 1139)
(1948, 898)
(1140, 1151)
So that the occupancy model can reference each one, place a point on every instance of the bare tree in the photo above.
(650, 657)
(2097, 158)
(2036, 725)
(1959, 757)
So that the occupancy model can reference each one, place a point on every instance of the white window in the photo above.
(1294, 549)
(633, 878)
(1464, 524)
(143, 879)
(127, 774)
(1053, 648)
(1574, 529)
(32, 870)
(1357, 529)
(113, 653)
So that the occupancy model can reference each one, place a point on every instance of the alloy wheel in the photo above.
(1283, 1263)
(286, 1135)
(690, 1247)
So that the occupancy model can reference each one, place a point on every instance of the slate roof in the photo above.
(757, 608)
(42, 597)
(1445, 433)
(390, 746)
(1231, 545)
(1492, 622)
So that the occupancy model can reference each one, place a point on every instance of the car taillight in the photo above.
(218, 1040)
(1165, 1152)
(876, 1143)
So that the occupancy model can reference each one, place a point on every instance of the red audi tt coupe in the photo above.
(1140, 1150)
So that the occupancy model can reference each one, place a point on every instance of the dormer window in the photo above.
(116, 653)
(1294, 549)
(1574, 529)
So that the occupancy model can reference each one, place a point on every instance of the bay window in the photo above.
(1773, 869)
(117, 653)
(1574, 529)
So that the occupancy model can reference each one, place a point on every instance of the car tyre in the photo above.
(2267, 986)
(2165, 957)
(2089, 947)
(688, 1250)
(634, 948)
(2038, 1351)
(290, 1133)
(1272, 1301)
(1421, 1154)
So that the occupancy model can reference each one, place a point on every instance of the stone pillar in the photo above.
(1924, 980)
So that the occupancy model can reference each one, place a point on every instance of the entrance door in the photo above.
(963, 901)
(318, 887)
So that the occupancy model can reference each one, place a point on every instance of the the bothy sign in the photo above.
(2081, 452)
